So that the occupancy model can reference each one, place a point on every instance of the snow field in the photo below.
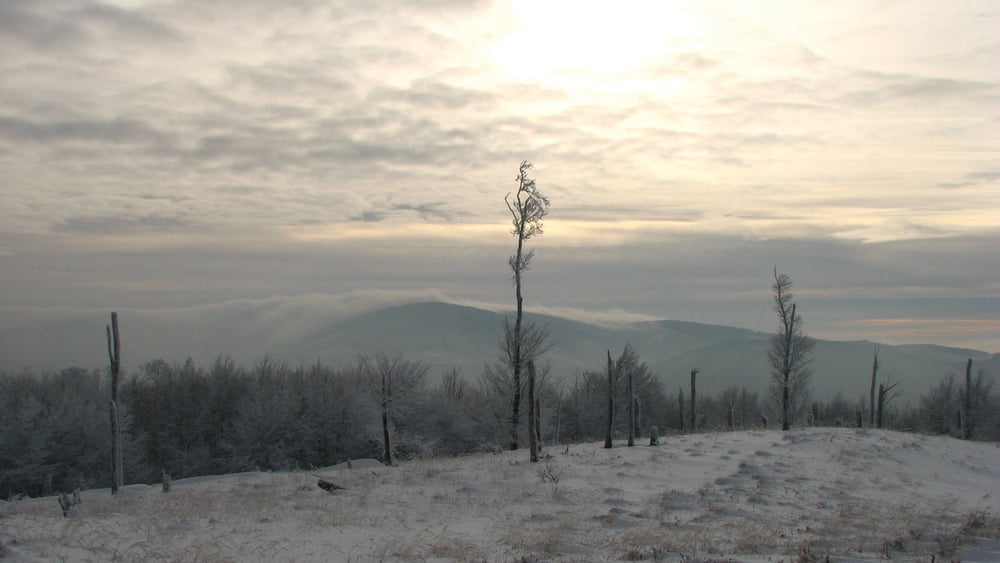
(806, 494)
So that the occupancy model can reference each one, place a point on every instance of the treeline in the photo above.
(188, 420)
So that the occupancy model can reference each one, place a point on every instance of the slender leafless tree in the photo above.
(611, 402)
(681, 421)
(115, 359)
(967, 402)
(790, 353)
(527, 207)
(392, 378)
(871, 391)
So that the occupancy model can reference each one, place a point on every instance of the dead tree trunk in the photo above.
(694, 403)
(967, 402)
(871, 391)
(680, 405)
(611, 401)
(114, 355)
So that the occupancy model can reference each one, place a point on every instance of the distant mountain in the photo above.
(446, 335)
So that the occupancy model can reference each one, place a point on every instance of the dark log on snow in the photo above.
(329, 486)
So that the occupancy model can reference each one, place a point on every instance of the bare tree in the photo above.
(527, 208)
(884, 397)
(871, 391)
(114, 356)
(533, 414)
(976, 399)
(626, 365)
(611, 401)
(694, 410)
(391, 378)
(790, 353)
(680, 406)
(967, 402)
(502, 381)
(630, 378)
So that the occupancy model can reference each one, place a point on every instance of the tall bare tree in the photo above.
(115, 359)
(611, 402)
(527, 207)
(791, 351)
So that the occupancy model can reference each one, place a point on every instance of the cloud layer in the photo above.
(159, 154)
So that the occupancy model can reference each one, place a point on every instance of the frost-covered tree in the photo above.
(527, 207)
(500, 384)
(790, 353)
(396, 383)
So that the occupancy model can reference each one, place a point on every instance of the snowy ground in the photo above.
(802, 495)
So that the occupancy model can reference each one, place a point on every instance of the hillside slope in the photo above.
(749, 496)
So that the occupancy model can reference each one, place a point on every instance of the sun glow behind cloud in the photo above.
(558, 41)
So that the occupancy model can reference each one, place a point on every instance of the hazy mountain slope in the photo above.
(810, 495)
(446, 335)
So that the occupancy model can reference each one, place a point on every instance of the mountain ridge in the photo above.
(446, 335)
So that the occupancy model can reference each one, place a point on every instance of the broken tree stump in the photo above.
(68, 503)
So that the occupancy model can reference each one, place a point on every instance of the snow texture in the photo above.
(803, 495)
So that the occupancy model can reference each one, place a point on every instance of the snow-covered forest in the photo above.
(194, 420)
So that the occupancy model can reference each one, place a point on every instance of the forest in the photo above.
(188, 420)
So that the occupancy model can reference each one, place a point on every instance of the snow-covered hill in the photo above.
(804, 495)
(448, 335)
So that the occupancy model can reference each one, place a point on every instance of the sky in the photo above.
(168, 156)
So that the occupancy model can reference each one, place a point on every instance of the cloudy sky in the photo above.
(172, 155)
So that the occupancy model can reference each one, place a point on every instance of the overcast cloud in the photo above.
(174, 155)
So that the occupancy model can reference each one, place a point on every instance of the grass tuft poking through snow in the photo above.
(807, 495)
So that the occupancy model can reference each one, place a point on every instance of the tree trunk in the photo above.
(680, 405)
(515, 416)
(558, 417)
(694, 402)
(967, 402)
(532, 414)
(611, 401)
(114, 355)
(386, 391)
(786, 399)
(631, 408)
(871, 391)
(881, 405)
